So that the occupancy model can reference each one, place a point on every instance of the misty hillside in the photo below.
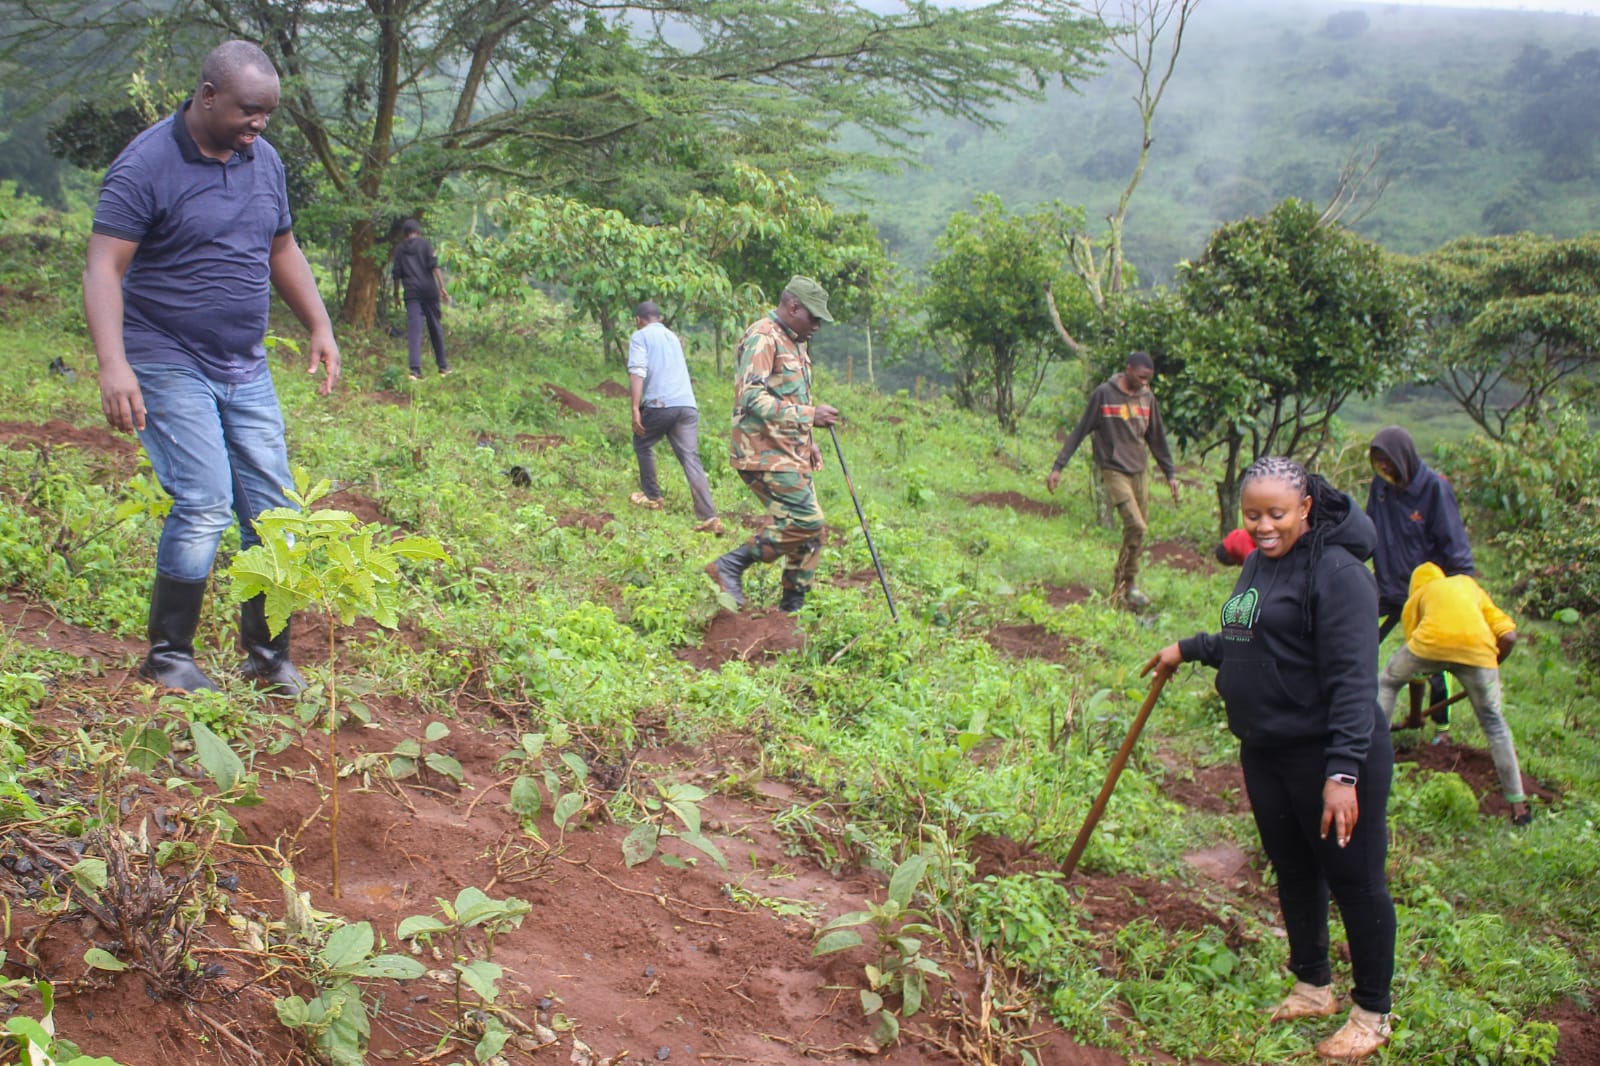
(1486, 122)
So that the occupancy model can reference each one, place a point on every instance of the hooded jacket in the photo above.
(1417, 521)
(1282, 684)
(1452, 620)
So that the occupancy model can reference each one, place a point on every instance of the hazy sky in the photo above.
(1581, 7)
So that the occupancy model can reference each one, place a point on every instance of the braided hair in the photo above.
(1329, 507)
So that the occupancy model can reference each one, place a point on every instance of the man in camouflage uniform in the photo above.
(772, 446)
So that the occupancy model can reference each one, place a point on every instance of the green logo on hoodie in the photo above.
(1241, 609)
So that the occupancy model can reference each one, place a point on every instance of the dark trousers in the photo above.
(681, 427)
(419, 310)
(1285, 789)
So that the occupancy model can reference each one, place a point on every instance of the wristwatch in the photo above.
(1343, 779)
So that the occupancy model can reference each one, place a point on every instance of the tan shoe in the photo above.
(1362, 1033)
(1306, 1001)
(639, 499)
(711, 525)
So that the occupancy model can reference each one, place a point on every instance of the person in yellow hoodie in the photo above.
(1451, 624)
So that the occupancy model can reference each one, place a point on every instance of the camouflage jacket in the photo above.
(772, 406)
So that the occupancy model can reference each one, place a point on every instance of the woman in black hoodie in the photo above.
(1297, 668)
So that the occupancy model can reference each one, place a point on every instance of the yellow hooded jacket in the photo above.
(1452, 620)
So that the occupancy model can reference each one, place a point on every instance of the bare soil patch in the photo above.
(537, 443)
(1063, 595)
(595, 522)
(1579, 1042)
(1215, 789)
(357, 503)
(748, 636)
(1179, 556)
(612, 389)
(1016, 501)
(122, 449)
(391, 397)
(1473, 765)
(571, 401)
(1030, 641)
(38, 626)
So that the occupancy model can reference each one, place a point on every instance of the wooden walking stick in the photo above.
(1112, 774)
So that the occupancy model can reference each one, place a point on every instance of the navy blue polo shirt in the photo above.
(199, 287)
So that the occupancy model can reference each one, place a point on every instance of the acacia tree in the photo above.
(985, 299)
(608, 262)
(1515, 325)
(1268, 333)
(391, 97)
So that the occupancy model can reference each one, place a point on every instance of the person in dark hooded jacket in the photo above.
(1417, 519)
(1297, 668)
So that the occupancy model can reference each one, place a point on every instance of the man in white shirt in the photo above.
(663, 406)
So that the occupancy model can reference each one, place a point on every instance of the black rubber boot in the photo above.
(727, 570)
(174, 616)
(269, 655)
(1437, 694)
(792, 600)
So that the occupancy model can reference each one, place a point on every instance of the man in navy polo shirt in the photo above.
(191, 233)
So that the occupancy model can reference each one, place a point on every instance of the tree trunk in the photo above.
(366, 277)
(1228, 491)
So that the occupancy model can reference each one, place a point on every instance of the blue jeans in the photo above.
(681, 427)
(218, 450)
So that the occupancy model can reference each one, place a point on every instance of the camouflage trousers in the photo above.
(1130, 495)
(796, 530)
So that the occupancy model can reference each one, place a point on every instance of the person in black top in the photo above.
(416, 271)
(1297, 669)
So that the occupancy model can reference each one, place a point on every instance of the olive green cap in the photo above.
(812, 296)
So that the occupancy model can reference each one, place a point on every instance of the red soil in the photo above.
(1016, 501)
(572, 402)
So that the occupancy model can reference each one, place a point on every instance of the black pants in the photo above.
(422, 310)
(1285, 789)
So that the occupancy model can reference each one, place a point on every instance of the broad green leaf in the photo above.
(482, 976)
(704, 844)
(396, 967)
(640, 843)
(347, 946)
(224, 767)
(568, 805)
(293, 1011)
(89, 874)
(849, 918)
(445, 765)
(495, 1036)
(838, 940)
(145, 747)
(870, 1001)
(526, 799)
(905, 879)
(420, 925)
(436, 731)
(101, 959)
(687, 813)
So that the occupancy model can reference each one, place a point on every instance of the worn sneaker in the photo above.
(415, 377)
(641, 500)
(712, 525)
(1306, 1001)
(1363, 1033)
(1521, 813)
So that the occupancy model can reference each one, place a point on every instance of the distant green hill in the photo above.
(1486, 122)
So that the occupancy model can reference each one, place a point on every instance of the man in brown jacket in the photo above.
(1126, 428)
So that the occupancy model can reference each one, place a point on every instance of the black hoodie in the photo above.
(1282, 685)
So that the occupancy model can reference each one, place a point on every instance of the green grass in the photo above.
(919, 732)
